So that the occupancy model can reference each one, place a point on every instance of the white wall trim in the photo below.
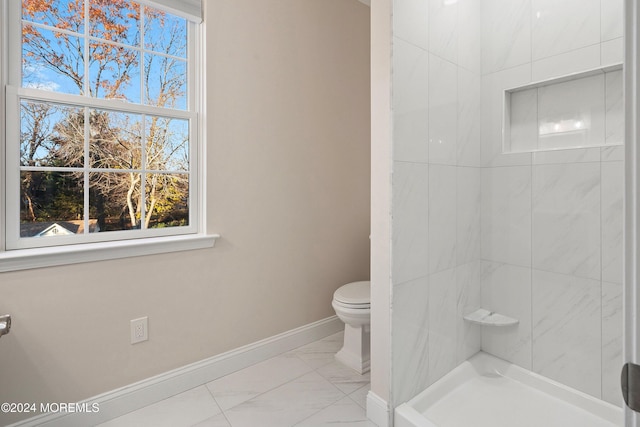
(25, 259)
(378, 410)
(151, 390)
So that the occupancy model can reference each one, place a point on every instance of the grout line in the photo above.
(272, 388)
(532, 25)
(227, 419)
(312, 370)
(531, 305)
(318, 411)
(355, 391)
(602, 237)
(221, 411)
(410, 42)
(556, 163)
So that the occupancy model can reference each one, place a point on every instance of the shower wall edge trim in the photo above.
(631, 297)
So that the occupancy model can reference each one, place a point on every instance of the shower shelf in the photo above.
(574, 111)
(489, 318)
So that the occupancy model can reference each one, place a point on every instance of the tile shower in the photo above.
(533, 235)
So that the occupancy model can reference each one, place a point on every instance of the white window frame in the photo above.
(22, 253)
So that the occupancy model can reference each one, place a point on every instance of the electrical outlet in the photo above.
(139, 330)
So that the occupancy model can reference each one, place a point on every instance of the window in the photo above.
(101, 122)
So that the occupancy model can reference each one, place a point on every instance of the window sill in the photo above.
(24, 259)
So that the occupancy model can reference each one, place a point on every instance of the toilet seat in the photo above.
(364, 306)
(354, 295)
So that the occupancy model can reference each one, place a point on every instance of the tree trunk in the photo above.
(152, 204)
(132, 211)
(30, 207)
(28, 182)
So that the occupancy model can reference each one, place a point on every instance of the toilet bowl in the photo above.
(352, 303)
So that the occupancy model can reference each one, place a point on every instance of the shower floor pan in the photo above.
(486, 391)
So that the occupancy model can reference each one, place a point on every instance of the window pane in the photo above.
(165, 81)
(92, 167)
(51, 135)
(115, 140)
(52, 60)
(165, 33)
(114, 72)
(51, 203)
(167, 144)
(117, 21)
(114, 200)
(167, 199)
(65, 14)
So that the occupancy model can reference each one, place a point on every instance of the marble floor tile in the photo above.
(345, 412)
(216, 421)
(345, 379)
(240, 386)
(182, 410)
(286, 405)
(321, 352)
(360, 395)
(303, 387)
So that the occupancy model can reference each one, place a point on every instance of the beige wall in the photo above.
(288, 168)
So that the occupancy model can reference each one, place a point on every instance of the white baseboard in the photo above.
(138, 395)
(378, 410)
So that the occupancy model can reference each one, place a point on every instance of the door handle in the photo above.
(629, 381)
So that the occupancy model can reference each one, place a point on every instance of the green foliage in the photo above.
(54, 196)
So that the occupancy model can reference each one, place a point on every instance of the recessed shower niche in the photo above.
(575, 111)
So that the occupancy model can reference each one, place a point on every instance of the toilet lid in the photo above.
(354, 293)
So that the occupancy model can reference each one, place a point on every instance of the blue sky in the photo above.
(40, 76)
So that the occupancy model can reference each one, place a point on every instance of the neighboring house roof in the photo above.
(57, 228)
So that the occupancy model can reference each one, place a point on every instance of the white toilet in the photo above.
(352, 303)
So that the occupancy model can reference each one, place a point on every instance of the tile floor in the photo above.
(304, 387)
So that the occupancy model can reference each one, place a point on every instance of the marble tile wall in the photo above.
(509, 40)
(436, 189)
(551, 223)
(536, 236)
